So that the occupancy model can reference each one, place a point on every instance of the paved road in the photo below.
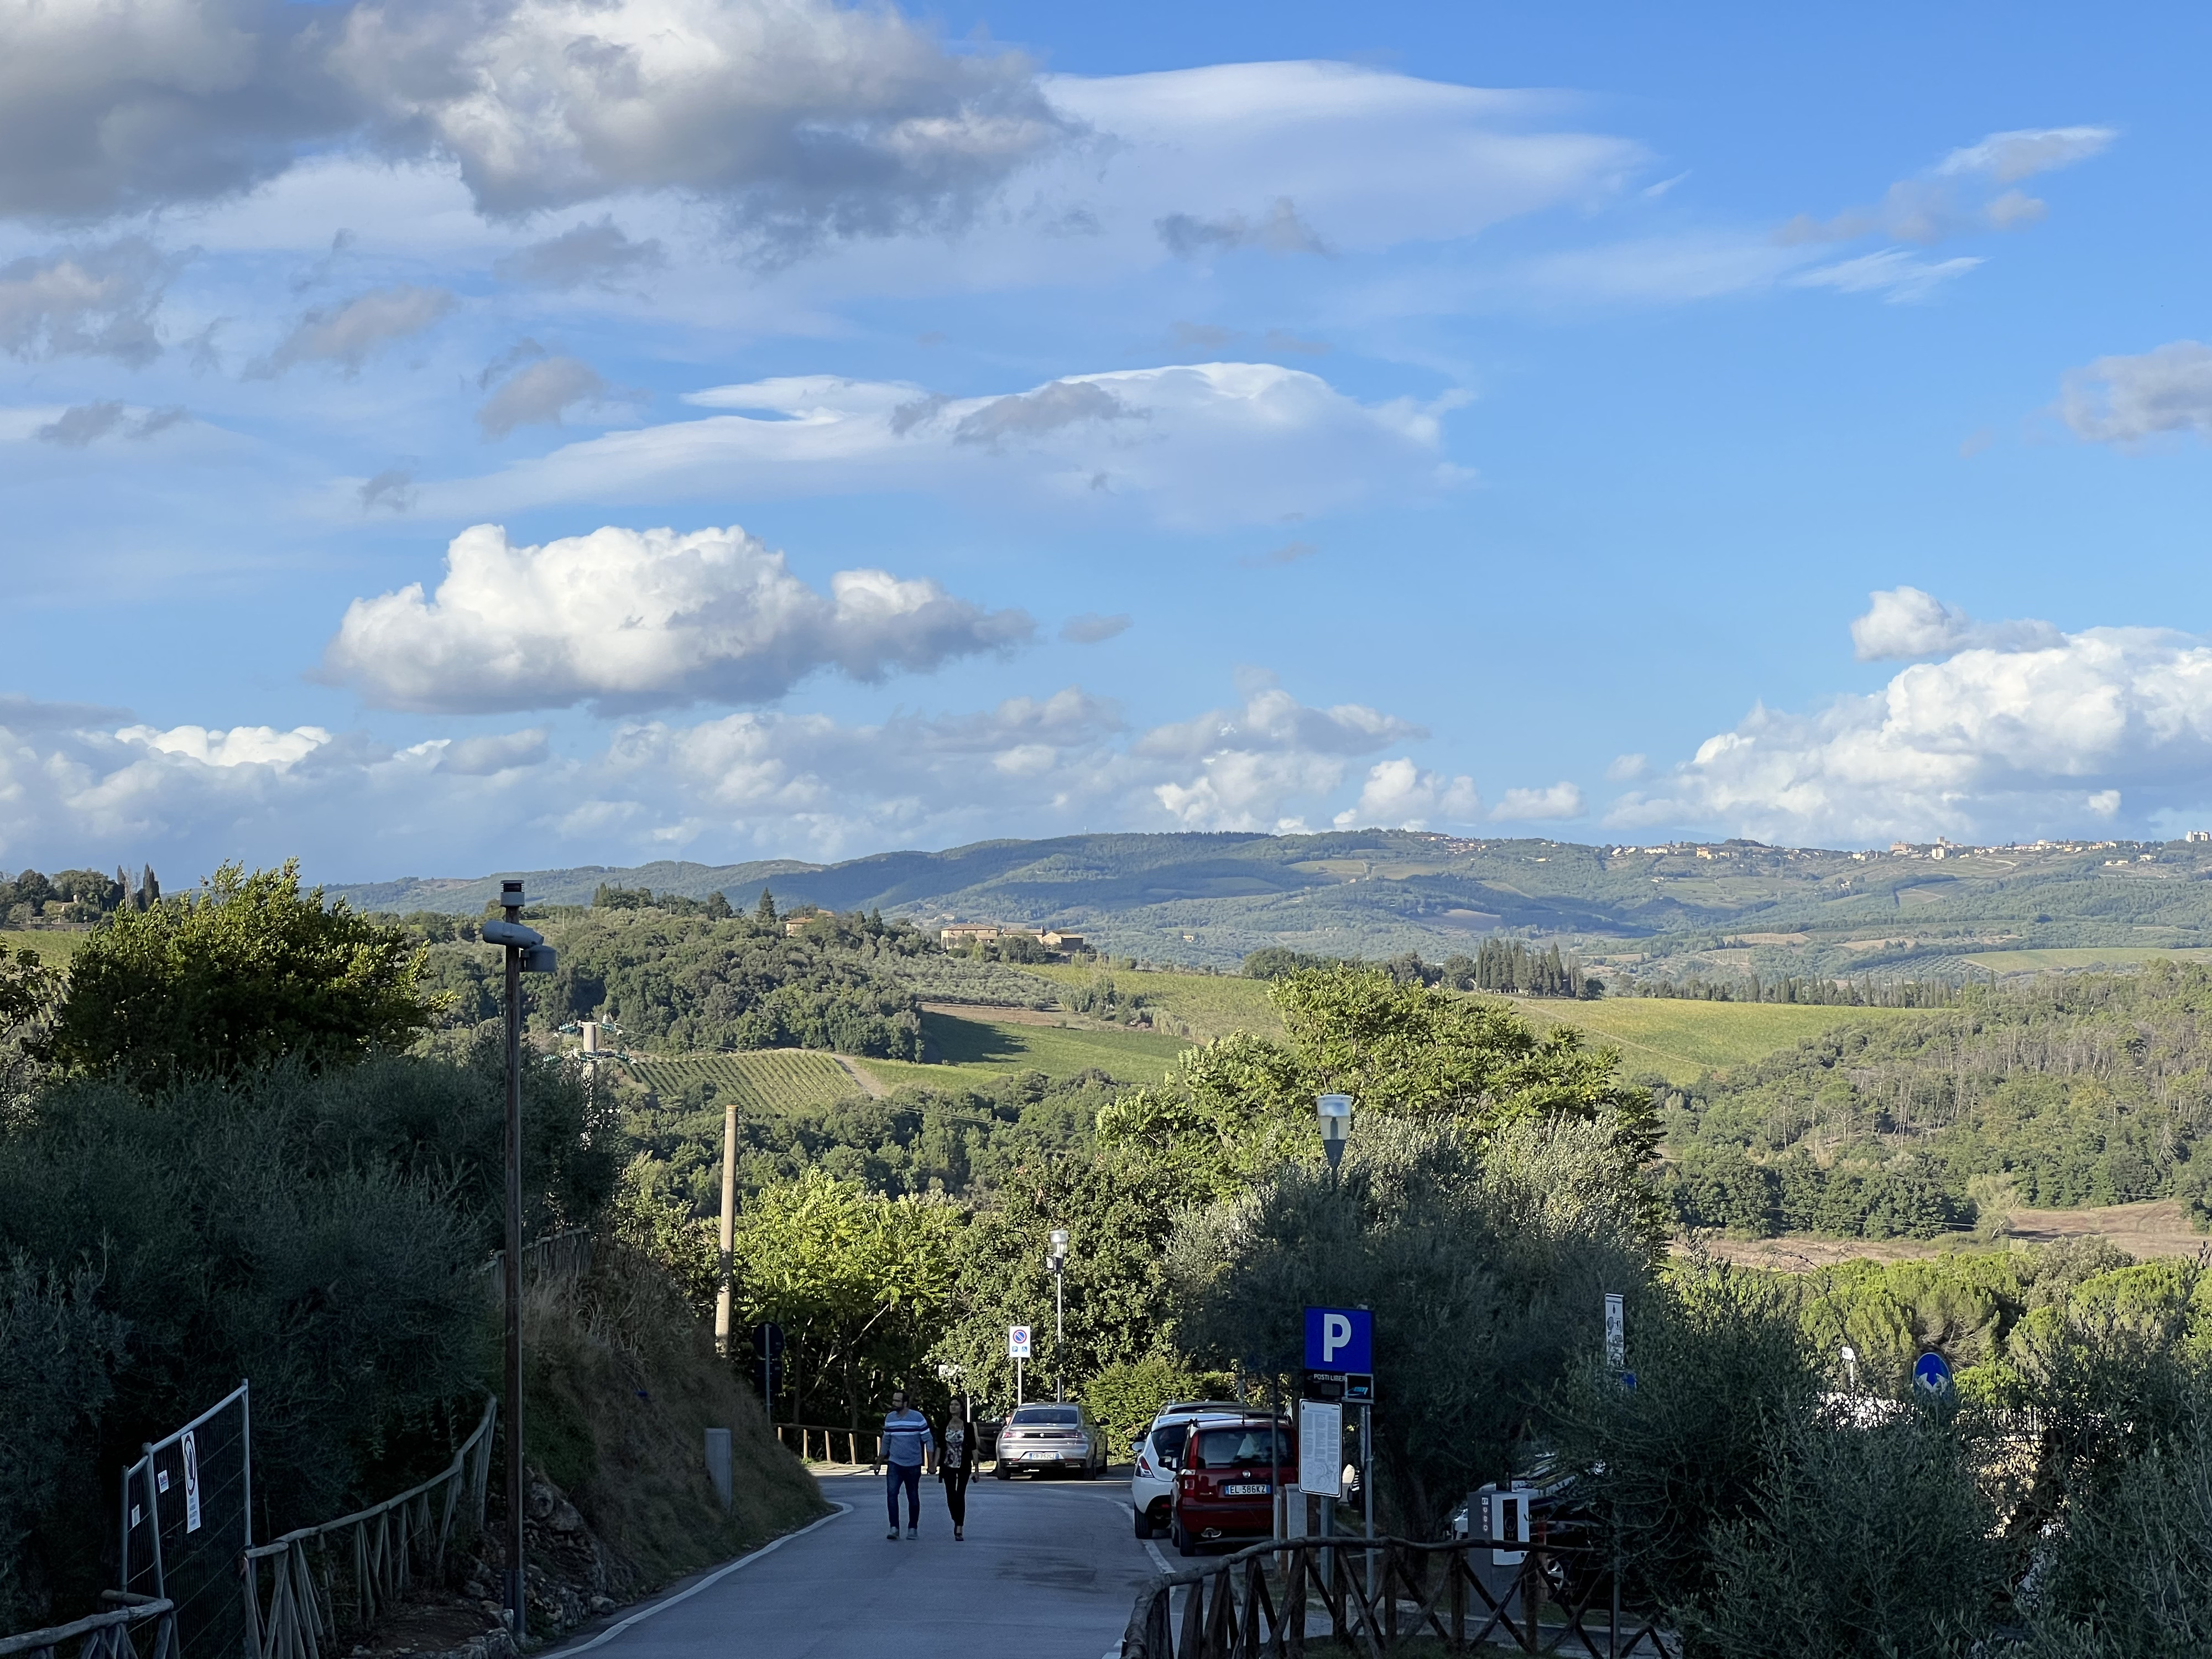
(1050, 1570)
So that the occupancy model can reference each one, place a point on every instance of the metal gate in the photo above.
(187, 1523)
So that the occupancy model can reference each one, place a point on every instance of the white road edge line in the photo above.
(713, 1578)
(1158, 1560)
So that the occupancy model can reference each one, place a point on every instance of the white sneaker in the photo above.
(914, 1532)
(892, 1534)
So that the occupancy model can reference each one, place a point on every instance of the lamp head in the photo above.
(1060, 1243)
(510, 896)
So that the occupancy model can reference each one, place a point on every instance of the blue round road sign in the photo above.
(1932, 1373)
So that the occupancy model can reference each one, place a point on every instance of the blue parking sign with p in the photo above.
(1340, 1339)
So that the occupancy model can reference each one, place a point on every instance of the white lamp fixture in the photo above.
(1335, 1113)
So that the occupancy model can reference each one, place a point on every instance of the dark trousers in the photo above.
(910, 1476)
(956, 1494)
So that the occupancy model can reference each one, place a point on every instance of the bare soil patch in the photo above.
(2157, 1227)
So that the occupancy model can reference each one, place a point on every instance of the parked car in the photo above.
(1157, 1452)
(1226, 1485)
(1050, 1440)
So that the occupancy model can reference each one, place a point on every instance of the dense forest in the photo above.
(2066, 1091)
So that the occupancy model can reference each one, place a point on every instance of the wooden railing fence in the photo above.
(335, 1579)
(1375, 1596)
(810, 1436)
(114, 1634)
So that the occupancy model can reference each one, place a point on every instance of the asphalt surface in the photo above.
(1050, 1569)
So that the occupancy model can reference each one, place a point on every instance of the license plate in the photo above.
(1034, 1452)
(1246, 1491)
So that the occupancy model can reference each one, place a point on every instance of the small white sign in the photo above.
(160, 1480)
(1321, 1447)
(1018, 1342)
(1616, 1333)
(191, 1484)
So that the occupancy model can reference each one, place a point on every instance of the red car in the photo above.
(1225, 1489)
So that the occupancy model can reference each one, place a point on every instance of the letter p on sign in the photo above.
(1340, 1339)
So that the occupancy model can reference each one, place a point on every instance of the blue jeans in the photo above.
(910, 1476)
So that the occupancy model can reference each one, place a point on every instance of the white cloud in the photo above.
(1624, 768)
(72, 787)
(2123, 400)
(629, 619)
(2022, 739)
(1560, 800)
(539, 394)
(1904, 622)
(584, 255)
(1196, 444)
(1399, 795)
(89, 301)
(348, 335)
(1899, 278)
(2008, 157)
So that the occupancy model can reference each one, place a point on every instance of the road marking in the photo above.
(1158, 1560)
(715, 1577)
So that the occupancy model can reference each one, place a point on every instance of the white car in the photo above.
(1160, 1453)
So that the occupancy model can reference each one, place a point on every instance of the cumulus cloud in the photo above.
(348, 335)
(1904, 622)
(2124, 400)
(1400, 795)
(629, 619)
(598, 255)
(1091, 628)
(803, 117)
(1561, 800)
(1241, 766)
(1194, 444)
(539, 394)
(1279, 230)
(86, 302)
(74, 784)
(2048, 736)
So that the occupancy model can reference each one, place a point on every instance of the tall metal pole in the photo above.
(729, 1231)
(1059, 1337)
(510, 899)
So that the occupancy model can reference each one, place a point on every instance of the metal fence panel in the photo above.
(187, 1524)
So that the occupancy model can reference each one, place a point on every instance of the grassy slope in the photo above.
(975, 1050)
(768, 1077)
(2094, 956)
(53, 945)
(1211, 1005)
(1681, 1039)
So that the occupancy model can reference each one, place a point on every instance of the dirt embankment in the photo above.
(2157, 1227)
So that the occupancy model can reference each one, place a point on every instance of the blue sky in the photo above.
(440, 438)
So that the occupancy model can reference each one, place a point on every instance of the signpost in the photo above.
(1340, 1339)
(1931, 1374)
(1017, 1350)
(1340, 1371)
(1616, 1333)
(768, 1348)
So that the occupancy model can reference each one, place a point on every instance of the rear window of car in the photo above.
(1167, 1440)
(1222, 1448)
(1057, 1416)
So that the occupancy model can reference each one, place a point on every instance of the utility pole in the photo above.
(729, 1227)
(1057, 1258)
(525, 950)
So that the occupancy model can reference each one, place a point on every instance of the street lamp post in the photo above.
(526, 952)
(1056, 1258)
(1334, 1112)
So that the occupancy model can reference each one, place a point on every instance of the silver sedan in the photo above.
(1050, 1440)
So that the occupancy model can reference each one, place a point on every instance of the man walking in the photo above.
(907, 1446)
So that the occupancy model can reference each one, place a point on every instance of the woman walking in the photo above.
(955, 1462)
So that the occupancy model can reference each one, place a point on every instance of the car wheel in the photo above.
(1144, 1523)
(1184, 1543)
(1003, 1472)
(1089, 1473)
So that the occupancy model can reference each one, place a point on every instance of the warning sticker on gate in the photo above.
(192, 1483)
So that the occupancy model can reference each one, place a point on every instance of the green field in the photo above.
(763, 1078)
(1681, 1039)
(973, 1051)
(54, 945)
(1209, 1005)
(2093, 956)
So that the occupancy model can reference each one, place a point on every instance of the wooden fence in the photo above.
(115, 1635)
(1378, 1596)
(806, 1438)
(336, 1579)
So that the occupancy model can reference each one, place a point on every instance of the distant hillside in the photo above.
(1719, 912)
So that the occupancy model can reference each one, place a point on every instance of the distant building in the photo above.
(971, 933)
(1053, 939)
(2200, 835)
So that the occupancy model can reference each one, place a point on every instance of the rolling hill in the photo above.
(1719, 911)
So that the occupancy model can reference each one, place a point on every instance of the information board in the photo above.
(1321, 1447)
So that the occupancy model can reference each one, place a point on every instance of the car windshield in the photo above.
(1219, 1448)
(1063, 1416)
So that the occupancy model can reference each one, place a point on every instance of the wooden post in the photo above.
(729, 1226)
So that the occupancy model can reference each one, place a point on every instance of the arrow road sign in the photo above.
(1931, 1374)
